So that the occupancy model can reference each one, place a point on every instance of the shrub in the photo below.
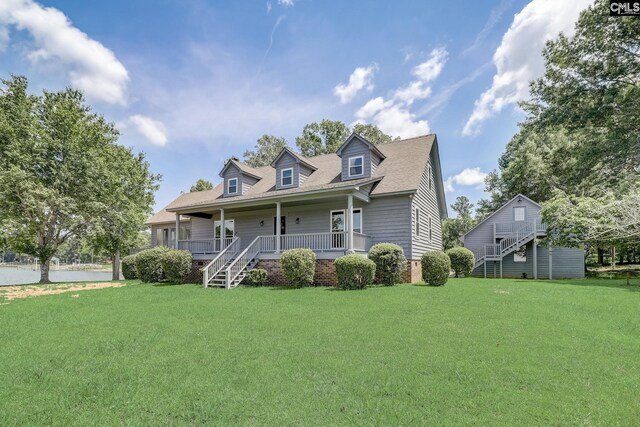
(354, 271)
(390, 263)
(148, 264)
(129, 267)
(461, 261)
(298, 267)
(436, 267)
(256, 277)
(176, 265)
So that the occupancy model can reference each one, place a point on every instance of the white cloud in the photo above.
(358, 80)
(397, 120)
(518, 59)
(268, 7)
(372, 106)
(286, 2)
(432, 67)
(413, 91)
(151, 129)
(468, 177)
(92, 68)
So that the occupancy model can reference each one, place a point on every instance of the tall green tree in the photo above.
(373, 134)
(322, 138)
(126, 197)
(265, 151)
(454, 228)
(579, 145)
(201, 185)
(56, 169)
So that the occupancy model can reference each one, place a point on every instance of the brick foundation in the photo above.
(325, 274)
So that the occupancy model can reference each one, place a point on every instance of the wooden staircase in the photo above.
(229, 268)
(509, 244)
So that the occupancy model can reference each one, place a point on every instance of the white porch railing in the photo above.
(204, 246)
(242, 260)
(318, 242)
(514, 226)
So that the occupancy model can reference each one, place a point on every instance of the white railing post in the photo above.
(350, 223)
(278, 226)
(223, 230)
(177, 230)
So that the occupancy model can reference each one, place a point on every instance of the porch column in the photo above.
(223, 230)
(350, 223)
(278, 226)
(535, 258)
(177, 236)
(550, 263)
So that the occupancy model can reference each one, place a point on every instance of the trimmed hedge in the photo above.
(436, 267)
(129, 267)
(148, 264)
(256, 277)
(298, 267)
(176, 265)
(354, 271)
(462, 260)
(390, 263)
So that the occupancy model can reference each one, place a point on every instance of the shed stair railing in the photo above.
(509, 244)
(210, 273)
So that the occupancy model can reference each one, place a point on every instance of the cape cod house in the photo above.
(333, 204)
(505, 244)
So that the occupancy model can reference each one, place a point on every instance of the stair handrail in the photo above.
(521, 234)
(242, 260)
(217, 264)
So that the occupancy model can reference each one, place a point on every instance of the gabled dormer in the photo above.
(291, 169)
(238, 177)
(359, 157)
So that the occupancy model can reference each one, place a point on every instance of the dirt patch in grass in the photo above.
(16, 292)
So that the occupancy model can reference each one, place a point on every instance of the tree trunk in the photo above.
(44, 271)
(115, 266)
(600, 256)
(613, 258)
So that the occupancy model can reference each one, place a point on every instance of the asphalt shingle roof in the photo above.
(400, 171)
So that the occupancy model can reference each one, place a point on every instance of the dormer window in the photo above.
(355, 165)
(232, 186)
(286, 177)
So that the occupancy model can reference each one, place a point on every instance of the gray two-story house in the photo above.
(333, 204)
(505, 244)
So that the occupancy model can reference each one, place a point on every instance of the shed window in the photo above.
(232, 186)
(520, 255)
(518, 213)
(355, 165)
(286, 177)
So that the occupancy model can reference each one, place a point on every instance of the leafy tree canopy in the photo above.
(201, 185)
(265, 150)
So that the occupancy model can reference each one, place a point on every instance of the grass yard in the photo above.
(476, 351)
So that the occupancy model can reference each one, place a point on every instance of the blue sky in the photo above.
(191, 83)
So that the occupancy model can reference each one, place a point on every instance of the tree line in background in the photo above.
(578, 150)
(64, 178)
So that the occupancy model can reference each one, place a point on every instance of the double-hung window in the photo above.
(356, 165)
(286, 177)
(518, 213)
(232, 186)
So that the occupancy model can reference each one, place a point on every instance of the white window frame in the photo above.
(354, 158)
(229, 186)
(344, 225)
(227, 223)
(417, 222)
(282, 171)
(361, 220)
(518, 258)
(524, 213)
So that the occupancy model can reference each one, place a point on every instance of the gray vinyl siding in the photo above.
(483, 234)
(387, 219)
(353, 149)
(426, 200)
(201, 228)
(247, 182)
(287, 161)
(568, 263)
(232, 172)
(375, 161)
(303, 174)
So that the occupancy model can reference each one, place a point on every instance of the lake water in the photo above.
(21, 276)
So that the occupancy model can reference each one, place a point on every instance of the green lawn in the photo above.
(475, 351)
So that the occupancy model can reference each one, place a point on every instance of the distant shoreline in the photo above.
(98, 268)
